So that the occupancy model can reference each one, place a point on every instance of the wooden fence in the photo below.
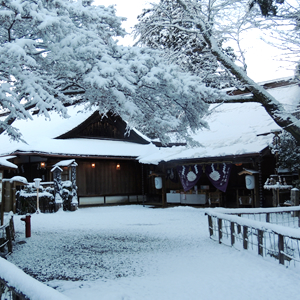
(269, 232)
(14, 283)
(8, 292)
(7, 235)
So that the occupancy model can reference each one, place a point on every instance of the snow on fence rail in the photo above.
(256, 232)
(15, 284)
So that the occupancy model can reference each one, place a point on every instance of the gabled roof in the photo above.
(61, 137)
(107, 126)
(5, 164)
(235, 131)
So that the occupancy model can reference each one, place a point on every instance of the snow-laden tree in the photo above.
(58, 52)
(288, 152)
(185, 46)
(282, 26)
(209, 21)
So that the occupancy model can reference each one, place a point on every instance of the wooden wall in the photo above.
(105, 179)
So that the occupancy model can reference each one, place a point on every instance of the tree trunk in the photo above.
(273, 107)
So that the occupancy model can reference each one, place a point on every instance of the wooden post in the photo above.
(14, 198)
(274, 194)
(1, 200)
(260, 237)
(12, 228)
(8, 238)
(295, 200)
(163, 190)
(74, 202)
(232, 233)
(2, 209)
(57, 187)
(295, 194)
(210, 225)
(220, 230)
(281, 249)
(239, 226)
(245, 237)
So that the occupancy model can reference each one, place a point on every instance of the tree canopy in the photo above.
(203, 24)
(59, 52)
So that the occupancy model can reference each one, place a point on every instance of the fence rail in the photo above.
(8, 292)
(262, 231)
(16, 285)
(286, 216)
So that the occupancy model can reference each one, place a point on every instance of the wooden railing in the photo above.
(16, 285)
(7, 235)
(263, 231)
(8, 292)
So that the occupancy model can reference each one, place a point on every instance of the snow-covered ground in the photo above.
(135, 252)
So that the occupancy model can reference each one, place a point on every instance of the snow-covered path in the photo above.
(135, 252)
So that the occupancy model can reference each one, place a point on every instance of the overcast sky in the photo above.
(262, 60)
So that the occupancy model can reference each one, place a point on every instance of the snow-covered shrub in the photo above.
(66, 194)
(27, 199)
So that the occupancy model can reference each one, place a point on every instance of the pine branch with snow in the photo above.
(64, 52)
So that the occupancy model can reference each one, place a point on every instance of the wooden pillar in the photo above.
(295, 196)
(295, 200)
(275, 197)
(260, 186)
(6, 196)
(13, 197)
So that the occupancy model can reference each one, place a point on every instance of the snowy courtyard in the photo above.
(135, 252)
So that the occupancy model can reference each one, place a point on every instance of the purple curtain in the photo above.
(218, 175)
(189, 176)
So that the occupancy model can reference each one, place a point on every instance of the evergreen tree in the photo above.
(288, 152)
(61, 52)
(210, 22)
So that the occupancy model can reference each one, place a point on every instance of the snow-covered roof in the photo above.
(7, 164)
(40, 134)
(65, 163)
(234, 130)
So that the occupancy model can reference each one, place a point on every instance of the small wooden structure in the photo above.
(10, 187)
(4, 165)
(249, 200)
(276, 184)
